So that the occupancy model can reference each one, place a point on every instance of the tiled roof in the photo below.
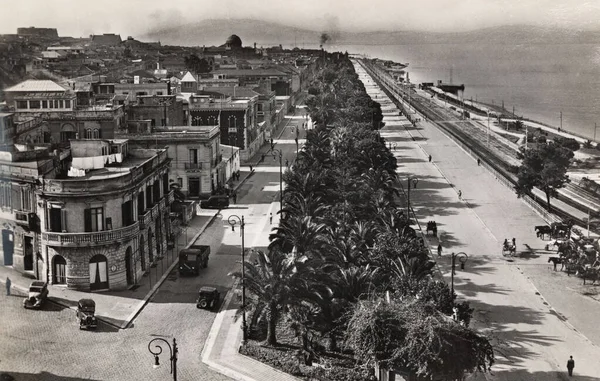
(36, 85)
(249, 72)
(188, 77)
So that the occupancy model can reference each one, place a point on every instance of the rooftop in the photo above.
(32, 85)
(188, 77)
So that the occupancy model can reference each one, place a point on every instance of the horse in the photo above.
(555, 261)
(542, 230)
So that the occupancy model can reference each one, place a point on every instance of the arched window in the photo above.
(88, 133)
(212, 121)
(232, 121)
(96, 133)
(196, 121)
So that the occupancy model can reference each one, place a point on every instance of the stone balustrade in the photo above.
(91, 238)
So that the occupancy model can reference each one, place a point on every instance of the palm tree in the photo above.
(271, 282)
(303, 234)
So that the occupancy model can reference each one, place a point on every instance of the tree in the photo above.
(410, 334)
(272, 281)
(544, 167)
(196, 64)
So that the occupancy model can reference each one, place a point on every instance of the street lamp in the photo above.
(414, 181)
(277, 153)
(172, 351)
(462, 258)
(234, 220)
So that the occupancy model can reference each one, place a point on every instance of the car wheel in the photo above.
(203, 303)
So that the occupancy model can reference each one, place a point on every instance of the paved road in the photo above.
(536, 318)
(47, 345)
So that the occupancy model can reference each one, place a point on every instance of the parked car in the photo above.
(38, 293)
(86, 308)
(215, 202)
(208, 297)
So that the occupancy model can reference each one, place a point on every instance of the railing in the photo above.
(193, 165)
(91, 238)
(146, 218)
(171, 196)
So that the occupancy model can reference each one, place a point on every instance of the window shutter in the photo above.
(16, 197)
(63, 219)
(87, 218)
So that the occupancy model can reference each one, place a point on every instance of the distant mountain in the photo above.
(264, 33)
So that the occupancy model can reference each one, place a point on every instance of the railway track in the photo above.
(494, 151)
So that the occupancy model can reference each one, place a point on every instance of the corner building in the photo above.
(106, 222)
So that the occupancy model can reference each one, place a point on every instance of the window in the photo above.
(25, 200)
(67, 103)
(57, 219)
(159, 93)
(50, 104)
(5, 189)
(44, 104)
(180, 182)
(94, 219)
(88, 133)
(61, 104)
(22, 105)
(194, 156)
(163, 122)
(34, 104)
(96, 134)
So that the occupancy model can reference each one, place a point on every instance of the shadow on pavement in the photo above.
(16, 376)
(524, 374)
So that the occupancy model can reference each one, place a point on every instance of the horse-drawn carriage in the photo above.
(556, 230)
(432, 227)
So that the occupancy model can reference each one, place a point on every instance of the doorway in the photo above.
(8, 246)
(98, 273)
(194, 186)
(28, 253)
(129, 266)
(59, 270)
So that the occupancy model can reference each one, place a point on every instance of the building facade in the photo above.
(107, 222)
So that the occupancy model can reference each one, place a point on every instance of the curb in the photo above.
(157, 285)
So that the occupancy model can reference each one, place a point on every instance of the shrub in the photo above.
(587, 144)
(541, 139)
(569, 143)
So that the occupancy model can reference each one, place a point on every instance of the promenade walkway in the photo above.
(536, 317)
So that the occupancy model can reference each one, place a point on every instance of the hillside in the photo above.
(264, 33)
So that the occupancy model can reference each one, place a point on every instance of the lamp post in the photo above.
(414, 181)
(172, 352)
(462, 257)
(234, 220)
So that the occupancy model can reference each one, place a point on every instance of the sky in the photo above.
(79, 18)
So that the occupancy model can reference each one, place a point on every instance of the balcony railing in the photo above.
(91, 238)
(193, 165)
(171, 197)
(146, 218)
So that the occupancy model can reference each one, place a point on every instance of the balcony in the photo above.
(171, 197)
(193, 165)
(91, 238)
(146, 218)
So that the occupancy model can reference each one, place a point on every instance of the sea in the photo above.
(541, 81)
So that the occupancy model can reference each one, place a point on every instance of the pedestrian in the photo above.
(234, 197)
(8, 284)
(459, 194)
(570, 365)
(270, 218)
(439, 249)
(430, 158)
(478, 161)
(250, 168)
(287, 163)
(514, 241)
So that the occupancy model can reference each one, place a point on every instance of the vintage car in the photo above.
(86, 308)
(208, 297)
(38, 293)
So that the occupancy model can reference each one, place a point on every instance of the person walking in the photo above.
(439, 249)
(8, 284)
(430, 158)
(234, 197)
(270, 218)
(514, 242)
(459, 194)
(478, 161)
(287, 163)
(570, 365)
